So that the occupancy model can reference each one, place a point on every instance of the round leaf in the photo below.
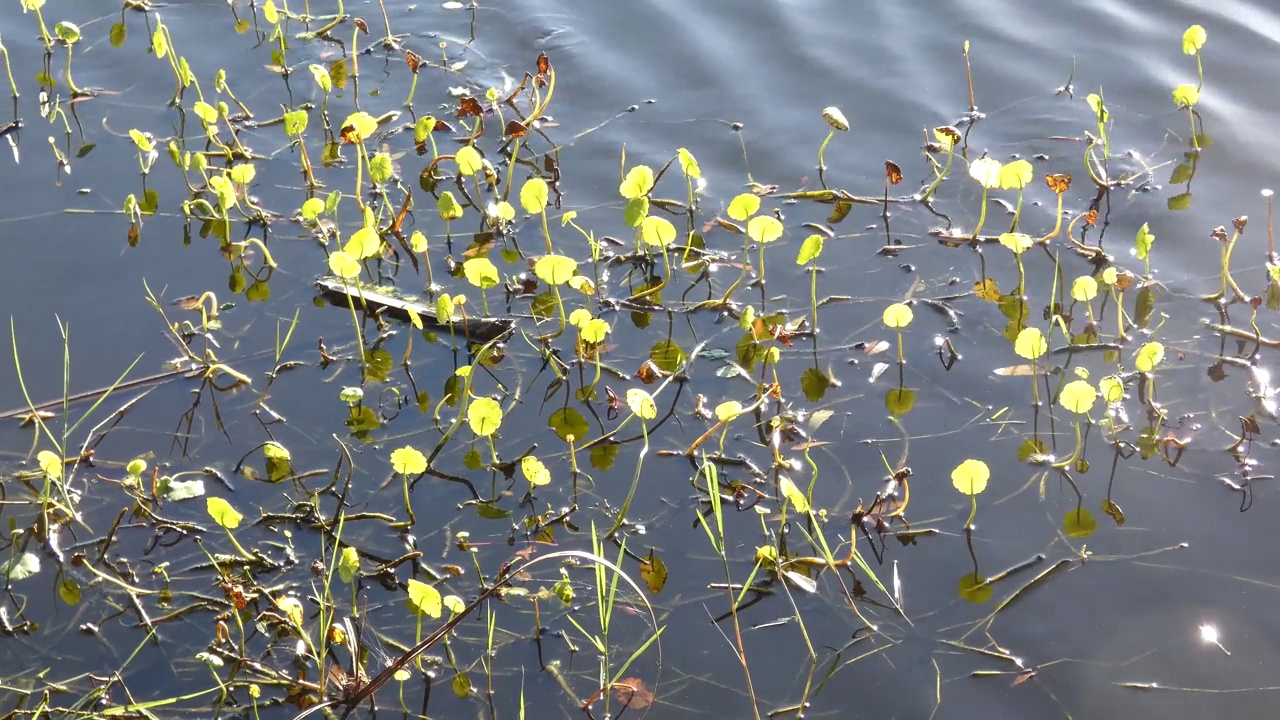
(1193, 39)
(484, 414)
(970, 477)
(555, 269)
(1078, 396)
(344, 265)
(222, 513)
(897, 316)
(481, 272)
(1084, 289)
(424, 599)
(533, 195)
(764, 228)
(1030, 343)
(728, 410)
(363, 243)
(743, 206)
(408, 461)
(1185, 96)
(1018, 243)
(638, 183)
(1112, 388)
(1149, 356)
(641, 404)
(986, 171)
(657, 231)
(362, 124)
(1016, 175)
(469, 160)
(534, 471)
(50, 464)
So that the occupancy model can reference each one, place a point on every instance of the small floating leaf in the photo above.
(1030, 343)
(555, 269)
(1016, 175)
(534, 471)
(793, 495)
(1078, 396)
(359, 126)
(469, 160)
(424, 599)
(728, 410)
(986, 171)
(897, 316)
(970, 477)
(810, 249)
(1111, 389)
(344, 265)
(222, 513)
(568, 423)
(1084, 289)
(484, 414)
(1193, 39)
(481, 272)
(408, 460)
(658, 231)
(1149, 356)
(743, 206)
(638, 183)
(973, 590)
(764, 228)
(1018, 243)
(641, 404)
(533, 195)
(654, 572)
(1079, 523)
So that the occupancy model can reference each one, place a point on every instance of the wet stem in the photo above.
(982, 215)
(939, 177)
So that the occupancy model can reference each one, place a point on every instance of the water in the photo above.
(895, 69)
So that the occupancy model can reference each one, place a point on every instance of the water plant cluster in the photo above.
(598, 364)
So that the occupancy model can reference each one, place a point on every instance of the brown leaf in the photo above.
(469, 107)
(544, 65)
(515, 128)
(649, 372)
(360, 23)
(1057, 182)
(892, 172)
(632, 692)
(1091, 217)
(413, 60)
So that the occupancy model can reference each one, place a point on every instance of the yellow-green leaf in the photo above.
(533, 195)
(743, 206)
(534, 471)
(408, 461)
(897, 316)
(1018, 243)
(469, 160)
(1078, 396)
(362, 124)
(363, 243)
(484, 414)
(764, 228)
(810, 249)
(555, 269)
(970, 477)
(1084, 289)
(638, 183)
(1016, 175)
(1185, 96)
(641, 404)
(222, 513)
(688, 164)
(1149, 356)
(657, 231)
(728, 410)
(1030, 343)
(481, 272)
(1193, 39)
(986, 171)
(793, 495)
(50, 464)
(344, 265)
(424, 599)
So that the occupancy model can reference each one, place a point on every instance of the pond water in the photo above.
(1112, 616)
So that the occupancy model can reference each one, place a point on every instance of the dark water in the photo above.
(894, 69)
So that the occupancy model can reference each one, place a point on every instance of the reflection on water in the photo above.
(1088, 630)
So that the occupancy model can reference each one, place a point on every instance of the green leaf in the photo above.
(222, 513)
(484, 414)
(1031, 343)
(50, 464)
(381, 168)
(1179, 202)
(635, 211)
(641, 404)
(534, 471)
(764, 228)
(594, 331)
(140, 139)
(1185, 96)
(810, 249)
(67, 32)
(1017, 243)
(364, 243)
(448, 206)
(424, 599)
(158, 43)
(423, 127)
(688, 164)
(638, 183)
(242, 174)
(1079, 523)
(362, 126)
(793, 495)
(1143, 241)
(344, 265)
(533, 195)
(1112, 388)
(1149, 356)
(469, 160)
(321, 76)
(1016, 175)
(279, 461)
(1084, 289)
(658, 231)
(897, 316)
(986, 171)
(118, 34)
(728, 410)
(205, 112)
(408, 460)
(555, 269)
(899, 401)
(1193, 39)
(348, 564)
(69, 591)
(312, 208)
(974, 589)
(22, 567)
(1095, 104)
(481, 272)
(568, 423)
(970, 477)
(1078, 396)
(743, 206)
